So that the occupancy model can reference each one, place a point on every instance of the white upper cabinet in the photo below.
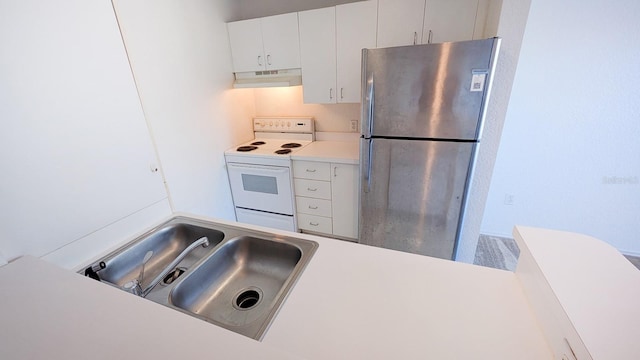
(449, 20)
(400, 22)
(331, 42)
(411, 22)
(247, 52)
(355, 30)
(281, 41)
(318, 55)
(269, 43)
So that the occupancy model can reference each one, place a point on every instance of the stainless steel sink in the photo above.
(241, 285)
(166, 243)
(239, 281)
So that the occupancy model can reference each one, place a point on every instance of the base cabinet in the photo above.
(327, 197)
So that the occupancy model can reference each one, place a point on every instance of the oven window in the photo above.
(260, 183)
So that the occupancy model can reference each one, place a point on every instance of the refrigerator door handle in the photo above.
(368, 164)
(369, 106)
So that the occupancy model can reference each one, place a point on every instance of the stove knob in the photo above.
(288, 123)
(270, 123)
(277, 124)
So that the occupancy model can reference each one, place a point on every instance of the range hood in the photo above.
(268, 78)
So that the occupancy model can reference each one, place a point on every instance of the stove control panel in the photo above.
(283, 124)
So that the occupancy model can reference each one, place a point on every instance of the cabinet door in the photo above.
(318, 55)
(355, 30)
(281, 41)
(449, 20)
(400, 22)
(247, 52)
(344, 203)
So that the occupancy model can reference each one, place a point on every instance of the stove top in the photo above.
(276, 138)
(268, 147)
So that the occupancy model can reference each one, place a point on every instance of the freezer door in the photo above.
(412, 194)
(427, 91)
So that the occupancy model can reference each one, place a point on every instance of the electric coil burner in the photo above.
(260, 171)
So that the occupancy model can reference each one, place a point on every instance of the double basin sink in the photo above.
(225, 275)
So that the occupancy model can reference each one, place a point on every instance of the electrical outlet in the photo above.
(354, 125)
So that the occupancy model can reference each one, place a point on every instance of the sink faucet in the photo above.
(204, 241)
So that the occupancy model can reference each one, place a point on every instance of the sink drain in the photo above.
(173, 275)
(247, 299)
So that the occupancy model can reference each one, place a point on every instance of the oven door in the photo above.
(261, 187)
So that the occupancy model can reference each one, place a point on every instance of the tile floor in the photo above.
(502, 253)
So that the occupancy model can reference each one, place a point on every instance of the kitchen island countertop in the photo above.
(352, 302)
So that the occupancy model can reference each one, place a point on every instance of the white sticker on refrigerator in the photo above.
(477, 81)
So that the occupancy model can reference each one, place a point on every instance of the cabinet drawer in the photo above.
(313, 188)
(315, 223)
(313, 206)
(311, 170)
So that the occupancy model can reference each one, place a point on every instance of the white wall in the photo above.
(570, 150)
(510, 26)
(179, 52)
(75, 151)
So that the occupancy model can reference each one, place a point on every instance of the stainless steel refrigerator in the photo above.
(423, 109)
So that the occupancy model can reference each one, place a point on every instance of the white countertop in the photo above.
(352, 302)
(51, 313)
(361, 302)
(592, 288)
(344, 152)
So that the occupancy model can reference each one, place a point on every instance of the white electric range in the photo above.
(260, 173)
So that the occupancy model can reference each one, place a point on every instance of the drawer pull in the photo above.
(313, 207)
(313, 224)
(314, 189)
(311, 170)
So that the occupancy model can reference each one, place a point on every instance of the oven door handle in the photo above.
(272, 169)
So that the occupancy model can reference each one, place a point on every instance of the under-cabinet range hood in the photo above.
(268, 78)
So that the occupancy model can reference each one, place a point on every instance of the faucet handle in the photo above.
(133, 286)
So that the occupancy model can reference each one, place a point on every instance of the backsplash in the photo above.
(287, 101)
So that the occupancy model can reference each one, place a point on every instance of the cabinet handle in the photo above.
(341, 93)
(335, 171)
(330, 93)
(415, 38)
(314, 189)
(313, 224)
(268, 59)
(313, 207)
(311, 170)
(259, 60)
(430, 38)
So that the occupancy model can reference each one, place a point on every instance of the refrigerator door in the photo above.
(427, 91)
(412, 194)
